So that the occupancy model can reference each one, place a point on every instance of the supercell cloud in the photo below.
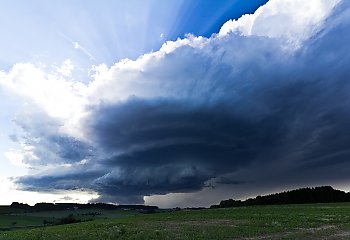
(264, 100)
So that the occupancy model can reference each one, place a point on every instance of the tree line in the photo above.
(75, 206)
(324, 194)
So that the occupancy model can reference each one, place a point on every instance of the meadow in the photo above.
(299, 221)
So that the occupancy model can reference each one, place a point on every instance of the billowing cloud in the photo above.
(265, 102)
(290, 21)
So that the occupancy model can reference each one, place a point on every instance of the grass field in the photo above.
(12, 219)
(309, 221)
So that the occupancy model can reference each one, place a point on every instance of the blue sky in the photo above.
(174, 103)
(46, 31)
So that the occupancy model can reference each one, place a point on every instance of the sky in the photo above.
(172, 103)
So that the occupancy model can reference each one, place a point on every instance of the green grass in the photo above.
(78, 213)
(309, 221)
(11, 219)
(15, 221)
(7, 210)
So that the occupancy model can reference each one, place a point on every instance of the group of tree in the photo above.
(324, 194)
(75, 206)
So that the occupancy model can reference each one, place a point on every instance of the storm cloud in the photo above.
(229, 110)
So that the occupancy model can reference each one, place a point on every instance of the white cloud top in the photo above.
(290, 20)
